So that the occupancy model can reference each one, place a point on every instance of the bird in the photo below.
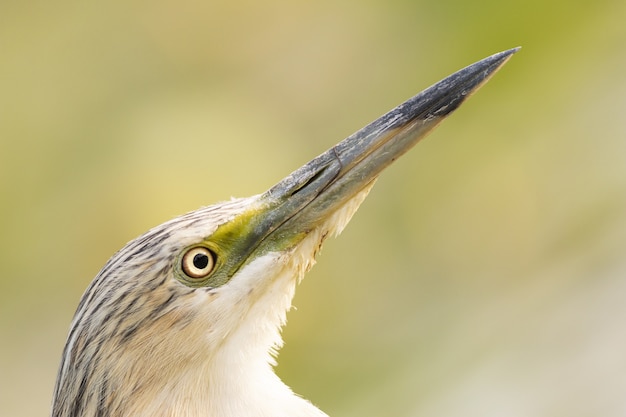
(186, 319)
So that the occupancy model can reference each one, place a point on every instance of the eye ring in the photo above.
(198, 262)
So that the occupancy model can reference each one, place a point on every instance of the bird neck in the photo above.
(224, 391)
(237, 378)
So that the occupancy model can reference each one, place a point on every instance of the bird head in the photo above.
(185, 319)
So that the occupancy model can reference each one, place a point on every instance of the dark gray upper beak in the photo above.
(313, 191)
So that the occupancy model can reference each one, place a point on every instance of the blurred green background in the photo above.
(484, 276)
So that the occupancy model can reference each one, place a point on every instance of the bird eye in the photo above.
(198, 262)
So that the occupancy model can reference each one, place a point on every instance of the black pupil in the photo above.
(200, 261)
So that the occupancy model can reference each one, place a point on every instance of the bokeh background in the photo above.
(484, 276)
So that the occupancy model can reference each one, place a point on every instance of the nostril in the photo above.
(300, 187)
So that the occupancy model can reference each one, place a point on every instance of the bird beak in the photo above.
(310, 195)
